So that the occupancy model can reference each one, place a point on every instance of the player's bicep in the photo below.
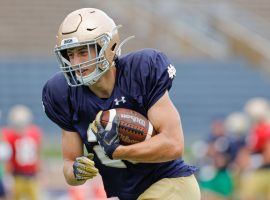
(166, 120)
(72, 146)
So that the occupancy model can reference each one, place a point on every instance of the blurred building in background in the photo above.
(221, 50)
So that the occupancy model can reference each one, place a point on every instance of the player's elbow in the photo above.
(177, 150)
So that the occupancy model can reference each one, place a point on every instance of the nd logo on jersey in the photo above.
(171, 71)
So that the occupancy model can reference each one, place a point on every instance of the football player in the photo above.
(96, 77)
(25, 139)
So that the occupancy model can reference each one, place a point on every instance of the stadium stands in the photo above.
(187, 27)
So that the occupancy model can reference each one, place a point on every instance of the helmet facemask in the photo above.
(74, 73)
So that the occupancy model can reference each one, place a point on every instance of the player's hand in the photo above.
(109, 140)
(84, 168)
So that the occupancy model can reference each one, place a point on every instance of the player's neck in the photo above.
(105, 85)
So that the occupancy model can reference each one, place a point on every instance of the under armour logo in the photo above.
(171, 71)
(123, 100)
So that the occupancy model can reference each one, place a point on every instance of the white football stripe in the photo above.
(111, 117)
(150, 131)
(90, 135)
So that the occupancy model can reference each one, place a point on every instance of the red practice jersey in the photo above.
(25, 149)
(260, 134)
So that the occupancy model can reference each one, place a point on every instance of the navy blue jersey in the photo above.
(141, 79)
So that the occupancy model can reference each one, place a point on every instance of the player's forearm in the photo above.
(69, 175)
(156, 149)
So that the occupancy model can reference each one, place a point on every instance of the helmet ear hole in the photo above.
(113, 46)
(98, 48)
(64, 54)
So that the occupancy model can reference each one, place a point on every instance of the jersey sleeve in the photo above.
(159, 78)
(56, 102)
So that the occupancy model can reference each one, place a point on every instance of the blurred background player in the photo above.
(214, 176)
(237, 125)
(5, 153)
(256, 185)
(25, 141)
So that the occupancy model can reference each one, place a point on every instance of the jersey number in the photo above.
(26, 151)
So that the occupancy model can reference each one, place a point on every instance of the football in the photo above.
(133, 127)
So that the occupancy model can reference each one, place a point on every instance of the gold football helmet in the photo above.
(89, 27)
(19, 117)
